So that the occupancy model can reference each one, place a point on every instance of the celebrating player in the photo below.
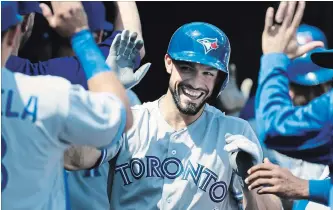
(176, 155)
(303, 132)
(43, 115)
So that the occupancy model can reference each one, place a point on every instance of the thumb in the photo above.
(141, 72)
(309, 46)
(47, 13)
(246, 87)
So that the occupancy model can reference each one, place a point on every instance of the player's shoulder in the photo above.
(43, 81)
(221, 118)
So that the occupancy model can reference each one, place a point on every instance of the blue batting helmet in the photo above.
(302, 70)
(202, 43)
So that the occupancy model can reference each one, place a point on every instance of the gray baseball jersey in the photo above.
(41, 116)
(87, 188)
(160, 168)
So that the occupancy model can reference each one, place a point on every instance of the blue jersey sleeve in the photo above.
(297, 131)
(319, 190)
(66, 67)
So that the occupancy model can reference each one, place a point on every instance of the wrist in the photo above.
(79, 29)
(89, 55)
(304, 190)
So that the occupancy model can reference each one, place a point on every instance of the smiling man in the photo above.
(179, 152)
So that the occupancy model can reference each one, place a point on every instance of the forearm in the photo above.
(81, 157)
(100, 76)
(128, 18)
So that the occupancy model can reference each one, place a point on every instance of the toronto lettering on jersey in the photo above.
(29, 109)
(153, 167)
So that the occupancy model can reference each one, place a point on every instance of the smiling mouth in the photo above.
(192, 94)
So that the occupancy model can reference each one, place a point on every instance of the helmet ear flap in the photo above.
(221, 77)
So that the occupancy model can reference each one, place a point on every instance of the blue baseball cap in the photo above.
(27, 7)
(96, 16)
(9, 15)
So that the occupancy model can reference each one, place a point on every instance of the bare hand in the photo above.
(281, 38)
(272, 179)
(67, 19)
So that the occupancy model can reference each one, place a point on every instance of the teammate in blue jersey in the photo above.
(43, 115)
(279, 121)
(306, 82)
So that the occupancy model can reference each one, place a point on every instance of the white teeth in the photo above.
(191, 92)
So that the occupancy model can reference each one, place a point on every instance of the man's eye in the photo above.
(209, 74)
(185, 68)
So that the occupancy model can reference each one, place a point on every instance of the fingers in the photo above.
(268, 190)
(131, 44)
(279, 16)
(227, 135)
(137, 47)
(299, 15)
(290, 14)
(47, 13)
(262, 182)
(269, 19)
(308, 47)
(230, 138)
(115, 45)
(262, 166)
(231, 148)
(260, 174)
(123, 42)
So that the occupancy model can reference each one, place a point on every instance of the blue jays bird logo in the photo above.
(208, 44)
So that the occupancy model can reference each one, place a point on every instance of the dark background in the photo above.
(243, 23)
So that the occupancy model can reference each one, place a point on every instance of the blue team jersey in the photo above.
(303, 132)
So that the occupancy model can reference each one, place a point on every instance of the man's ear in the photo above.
(168, 63)
(291, 94)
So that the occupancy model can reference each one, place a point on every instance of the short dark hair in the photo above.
(305, 94)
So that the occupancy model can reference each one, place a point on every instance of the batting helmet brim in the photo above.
(323, 58)
(199, 58)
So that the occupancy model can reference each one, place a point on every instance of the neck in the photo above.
(173, 116)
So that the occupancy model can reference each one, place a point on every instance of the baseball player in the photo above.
(280, 121)
(306, 82)
(181, 153)
(43, 115)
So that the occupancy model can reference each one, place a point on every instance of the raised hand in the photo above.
(123, 52)
(67, 19)
(281, 37)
